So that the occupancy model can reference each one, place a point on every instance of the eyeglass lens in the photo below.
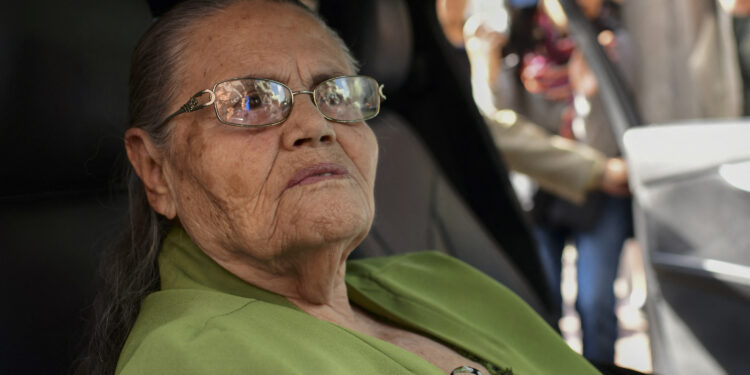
(257, 102)
(348, 98)
(252, 101)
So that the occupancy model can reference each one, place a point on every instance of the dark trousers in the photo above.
(598, 257)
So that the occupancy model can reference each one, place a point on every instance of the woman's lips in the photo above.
(316, 173)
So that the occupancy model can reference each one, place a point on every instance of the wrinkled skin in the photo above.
(228, 186)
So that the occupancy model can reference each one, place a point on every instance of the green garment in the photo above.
(204, 320)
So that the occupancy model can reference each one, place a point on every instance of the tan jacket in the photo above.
(559, 165)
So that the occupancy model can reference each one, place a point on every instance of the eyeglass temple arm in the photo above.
(380, 91)
(192, 104)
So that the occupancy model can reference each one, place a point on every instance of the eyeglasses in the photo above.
(259, 102)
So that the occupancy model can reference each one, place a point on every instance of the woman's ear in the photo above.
(148, 162)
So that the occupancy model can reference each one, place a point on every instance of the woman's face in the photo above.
(267, 193)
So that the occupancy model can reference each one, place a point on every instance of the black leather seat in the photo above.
(418, 209)
(64, 79)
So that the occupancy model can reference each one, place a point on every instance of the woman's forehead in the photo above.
(267, 40)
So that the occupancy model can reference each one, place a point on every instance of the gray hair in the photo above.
(129, 271)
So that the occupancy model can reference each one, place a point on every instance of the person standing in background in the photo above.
(566, 167)
(542, 107)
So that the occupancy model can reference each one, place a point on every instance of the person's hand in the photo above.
(615, 178)
(484, 45)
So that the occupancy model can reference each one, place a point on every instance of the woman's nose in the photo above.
(306, 126)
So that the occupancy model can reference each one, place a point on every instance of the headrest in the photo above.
(66, 100)
(378, 33)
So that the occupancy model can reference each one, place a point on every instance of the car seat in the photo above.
(62, 201)
(417, 206)
(61, 143)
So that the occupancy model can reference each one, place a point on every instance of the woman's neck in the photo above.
(312, 279)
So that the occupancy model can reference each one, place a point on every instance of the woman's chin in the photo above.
(322, 238)
(332, 225)
(329, 213)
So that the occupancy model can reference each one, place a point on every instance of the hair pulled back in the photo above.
(129, 271)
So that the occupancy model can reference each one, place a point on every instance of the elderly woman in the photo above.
(249, 199)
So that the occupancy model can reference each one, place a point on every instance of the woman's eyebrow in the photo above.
(275, 76)
(316, 78)
(320, 77)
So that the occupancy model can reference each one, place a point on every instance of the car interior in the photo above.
(61, 197)
(412, 191)
(441, 183)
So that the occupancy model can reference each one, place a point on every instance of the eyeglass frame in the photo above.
(192, 104)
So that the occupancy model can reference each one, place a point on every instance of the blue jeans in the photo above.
(598, 258)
